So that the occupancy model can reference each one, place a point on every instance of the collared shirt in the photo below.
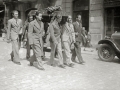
(14, 28)
(71, 28)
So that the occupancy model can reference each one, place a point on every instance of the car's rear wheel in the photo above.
(106, 52)
(118, 55)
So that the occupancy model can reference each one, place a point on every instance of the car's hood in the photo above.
(116, 36)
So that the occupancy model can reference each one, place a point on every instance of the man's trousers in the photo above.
(77, 52)
(67, 52)
(58, 48)
(15, 51)
(37, 50)
(28, 49)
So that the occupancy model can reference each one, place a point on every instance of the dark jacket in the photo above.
(78, 29)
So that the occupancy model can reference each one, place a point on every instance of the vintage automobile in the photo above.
(109, 47)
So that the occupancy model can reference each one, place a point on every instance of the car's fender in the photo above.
(111, 43)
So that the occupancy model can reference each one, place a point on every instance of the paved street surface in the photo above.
(94, 75)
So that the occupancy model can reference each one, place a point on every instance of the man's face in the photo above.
(59, 18)
(30, 18)
(39, 17)
(69, 19)
(79, 18)
(15, 15)
(83, 28)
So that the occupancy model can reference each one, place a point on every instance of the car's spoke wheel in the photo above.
(106, 52)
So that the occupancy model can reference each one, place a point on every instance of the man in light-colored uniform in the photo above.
(55, 40)
(14, 27)
(68, 38)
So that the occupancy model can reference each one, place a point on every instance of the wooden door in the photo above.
(1, 19)
(85, 18)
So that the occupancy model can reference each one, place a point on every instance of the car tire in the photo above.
(118, 55)
(106, 53)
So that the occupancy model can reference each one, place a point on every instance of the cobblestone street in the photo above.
(94, 75)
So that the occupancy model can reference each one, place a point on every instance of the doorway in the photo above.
(1, 19)
(85, 18)
(112, 20)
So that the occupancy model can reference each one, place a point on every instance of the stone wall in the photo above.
(96, 20)
(67, 7)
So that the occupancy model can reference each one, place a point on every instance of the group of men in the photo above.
(64, 39)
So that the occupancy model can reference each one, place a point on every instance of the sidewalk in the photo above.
(90, 51)
(25, 77)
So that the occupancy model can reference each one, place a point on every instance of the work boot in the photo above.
(62, 66)
(40, 67)
(18, 63)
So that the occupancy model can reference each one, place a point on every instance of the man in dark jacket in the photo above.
(78, 38)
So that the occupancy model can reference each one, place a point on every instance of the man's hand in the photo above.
(76, 33)
(8, 40)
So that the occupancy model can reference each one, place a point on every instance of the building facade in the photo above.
(99, 17)
(96, 20)
(104, 18)
(6, 7)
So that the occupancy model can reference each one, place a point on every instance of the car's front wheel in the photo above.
(106, 52)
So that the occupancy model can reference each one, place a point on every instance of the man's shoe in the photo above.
(81, 63)
(53, 65)
(11, 57)
(18, 63)
(71, 65)
(74, 61)
(31, 64)
(62, 66)
(65, 64)
(43, 58)
(40, 68)
(27, 57)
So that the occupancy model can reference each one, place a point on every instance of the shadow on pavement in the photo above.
(116, 60)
